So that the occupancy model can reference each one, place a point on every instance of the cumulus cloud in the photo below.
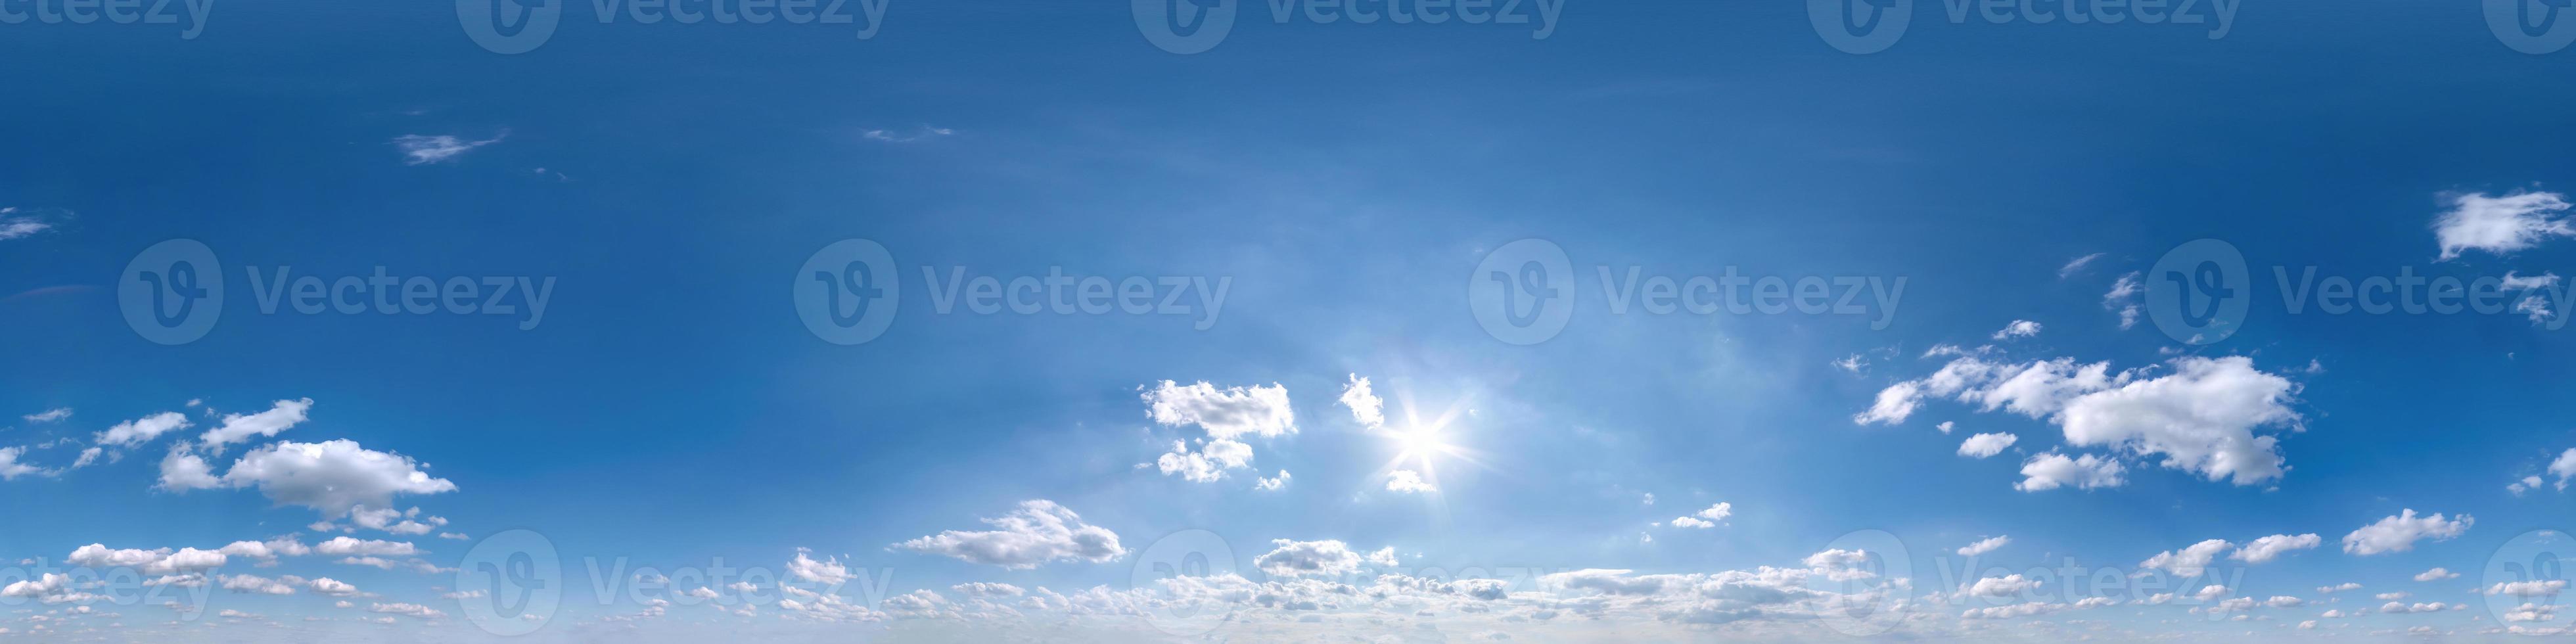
(1365, 406)
(2200, 418)
(1327, 558)
(2500, 225)
(2436, 574)
(141, 430)
(2018, 329)
(49, 415)
(1408, 481)
(2052, 470)
(2399, 533)
(1706, 518)
(2265, 549)
(2189, 561)
(1272, 483)
(283, 415)
(1038, 532)
(1984, 445)
(334, 477)
(15, 224)
(1983, 546)
(160, 561)
(1225, 415)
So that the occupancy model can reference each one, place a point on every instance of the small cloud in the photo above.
(2077, 265)
(424, 150)
(918, 134)
(17, 223)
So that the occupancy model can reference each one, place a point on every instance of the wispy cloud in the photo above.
(420, 149)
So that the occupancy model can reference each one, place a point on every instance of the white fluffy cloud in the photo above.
(49, 415)
(284, 415)
(2265, 549)
(334, 477)
(2436, 574)
(1706, 518)
(141, 430)
(1207, 463)
(1984, 445)
(2200, 418)
(1366, 408)
(1983, 546)
(2399, 533)
(1225, 415)
(1327, 558)
(2500, 225)
(2051, 471)
(2018, 329)
(366, 547)
(161, 561)
(1038, 532)
(1409, 482)
(2189, 561)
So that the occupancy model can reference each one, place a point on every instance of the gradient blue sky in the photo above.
(1347, 180)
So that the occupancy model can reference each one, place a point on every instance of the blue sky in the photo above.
(1305, 205)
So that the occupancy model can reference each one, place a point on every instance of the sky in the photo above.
(1182, 320)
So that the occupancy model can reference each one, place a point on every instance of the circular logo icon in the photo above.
(2198, 293)
(510, 583)
(1523, 293)
(1188, 553)
(509, 26)
(847, 292)
(2526, 575)
(2532, 26)
(1184, 26)
(1867, 599)
(172, 292)
(1860, 26)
